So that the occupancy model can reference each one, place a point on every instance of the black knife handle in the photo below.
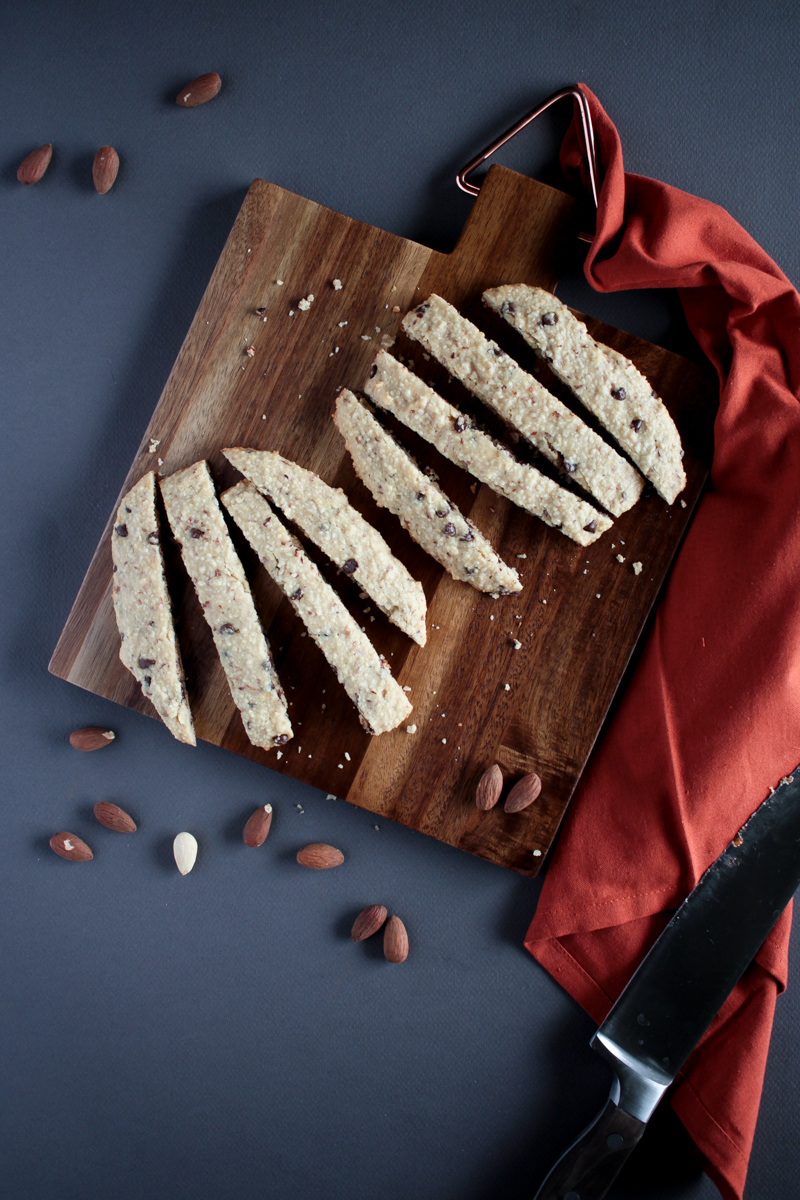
(592, 1163)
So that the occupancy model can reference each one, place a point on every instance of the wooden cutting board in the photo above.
(477, 700)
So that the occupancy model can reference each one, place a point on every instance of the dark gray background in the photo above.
(219, 1036)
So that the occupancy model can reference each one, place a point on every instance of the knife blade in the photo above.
(680, 986)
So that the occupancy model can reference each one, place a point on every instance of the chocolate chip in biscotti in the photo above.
(619, 393)
(349, 566)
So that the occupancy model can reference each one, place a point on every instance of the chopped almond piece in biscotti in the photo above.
(397, 390)
(493, 376)
(227, 602)
(605, 382)
(328, 519)
(142, 607)
(363, 673)
(397, 483)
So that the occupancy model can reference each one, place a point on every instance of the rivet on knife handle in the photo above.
(592, 1163)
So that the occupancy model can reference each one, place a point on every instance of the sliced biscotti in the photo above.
(523, 402)
(363, 673)
(227, 602)
(394, 388)
(606, 383)
(142, 607)
(326, 516)
(398, 484)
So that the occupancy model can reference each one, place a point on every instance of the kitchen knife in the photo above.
(681, 985)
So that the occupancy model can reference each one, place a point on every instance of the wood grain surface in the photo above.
(476, 699)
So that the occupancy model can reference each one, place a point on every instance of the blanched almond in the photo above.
(319, 857)
(185, 850)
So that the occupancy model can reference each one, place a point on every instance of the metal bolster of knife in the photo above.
(634, 1089)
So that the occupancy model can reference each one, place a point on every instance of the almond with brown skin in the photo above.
(114, 817)
(33, 167)
(523, 793)
(395, 941)
(319, 857)
(70, 847)
(200, 90)
(490, 785)
(368, 922)
(257, 827)
(92, 737)
(104, 169)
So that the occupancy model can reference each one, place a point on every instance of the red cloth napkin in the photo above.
(711, 716)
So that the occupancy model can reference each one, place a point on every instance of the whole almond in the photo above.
(395, 941)
(319, 857)
(185, 850)
(104, 169)
(114, 817)
(368, 922)
(33, 167)
(92, 737)
(523, 793)
(67, 845)
(257, 827)
(490, 785)
(200, 90)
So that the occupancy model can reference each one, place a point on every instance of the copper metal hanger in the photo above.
(587, 129)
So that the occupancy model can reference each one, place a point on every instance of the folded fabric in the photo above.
(710, 718)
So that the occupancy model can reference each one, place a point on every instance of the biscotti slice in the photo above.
(142, 607)
(606, 383)
(397, 390)
(523, 402)
(227, 602)
(363, 673)
(327, 518)
(398, 484)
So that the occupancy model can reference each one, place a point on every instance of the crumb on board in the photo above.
(337, 285)
(620, 558)
(305, 305)
(411, 729)
(517, 645)
(637, 567)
